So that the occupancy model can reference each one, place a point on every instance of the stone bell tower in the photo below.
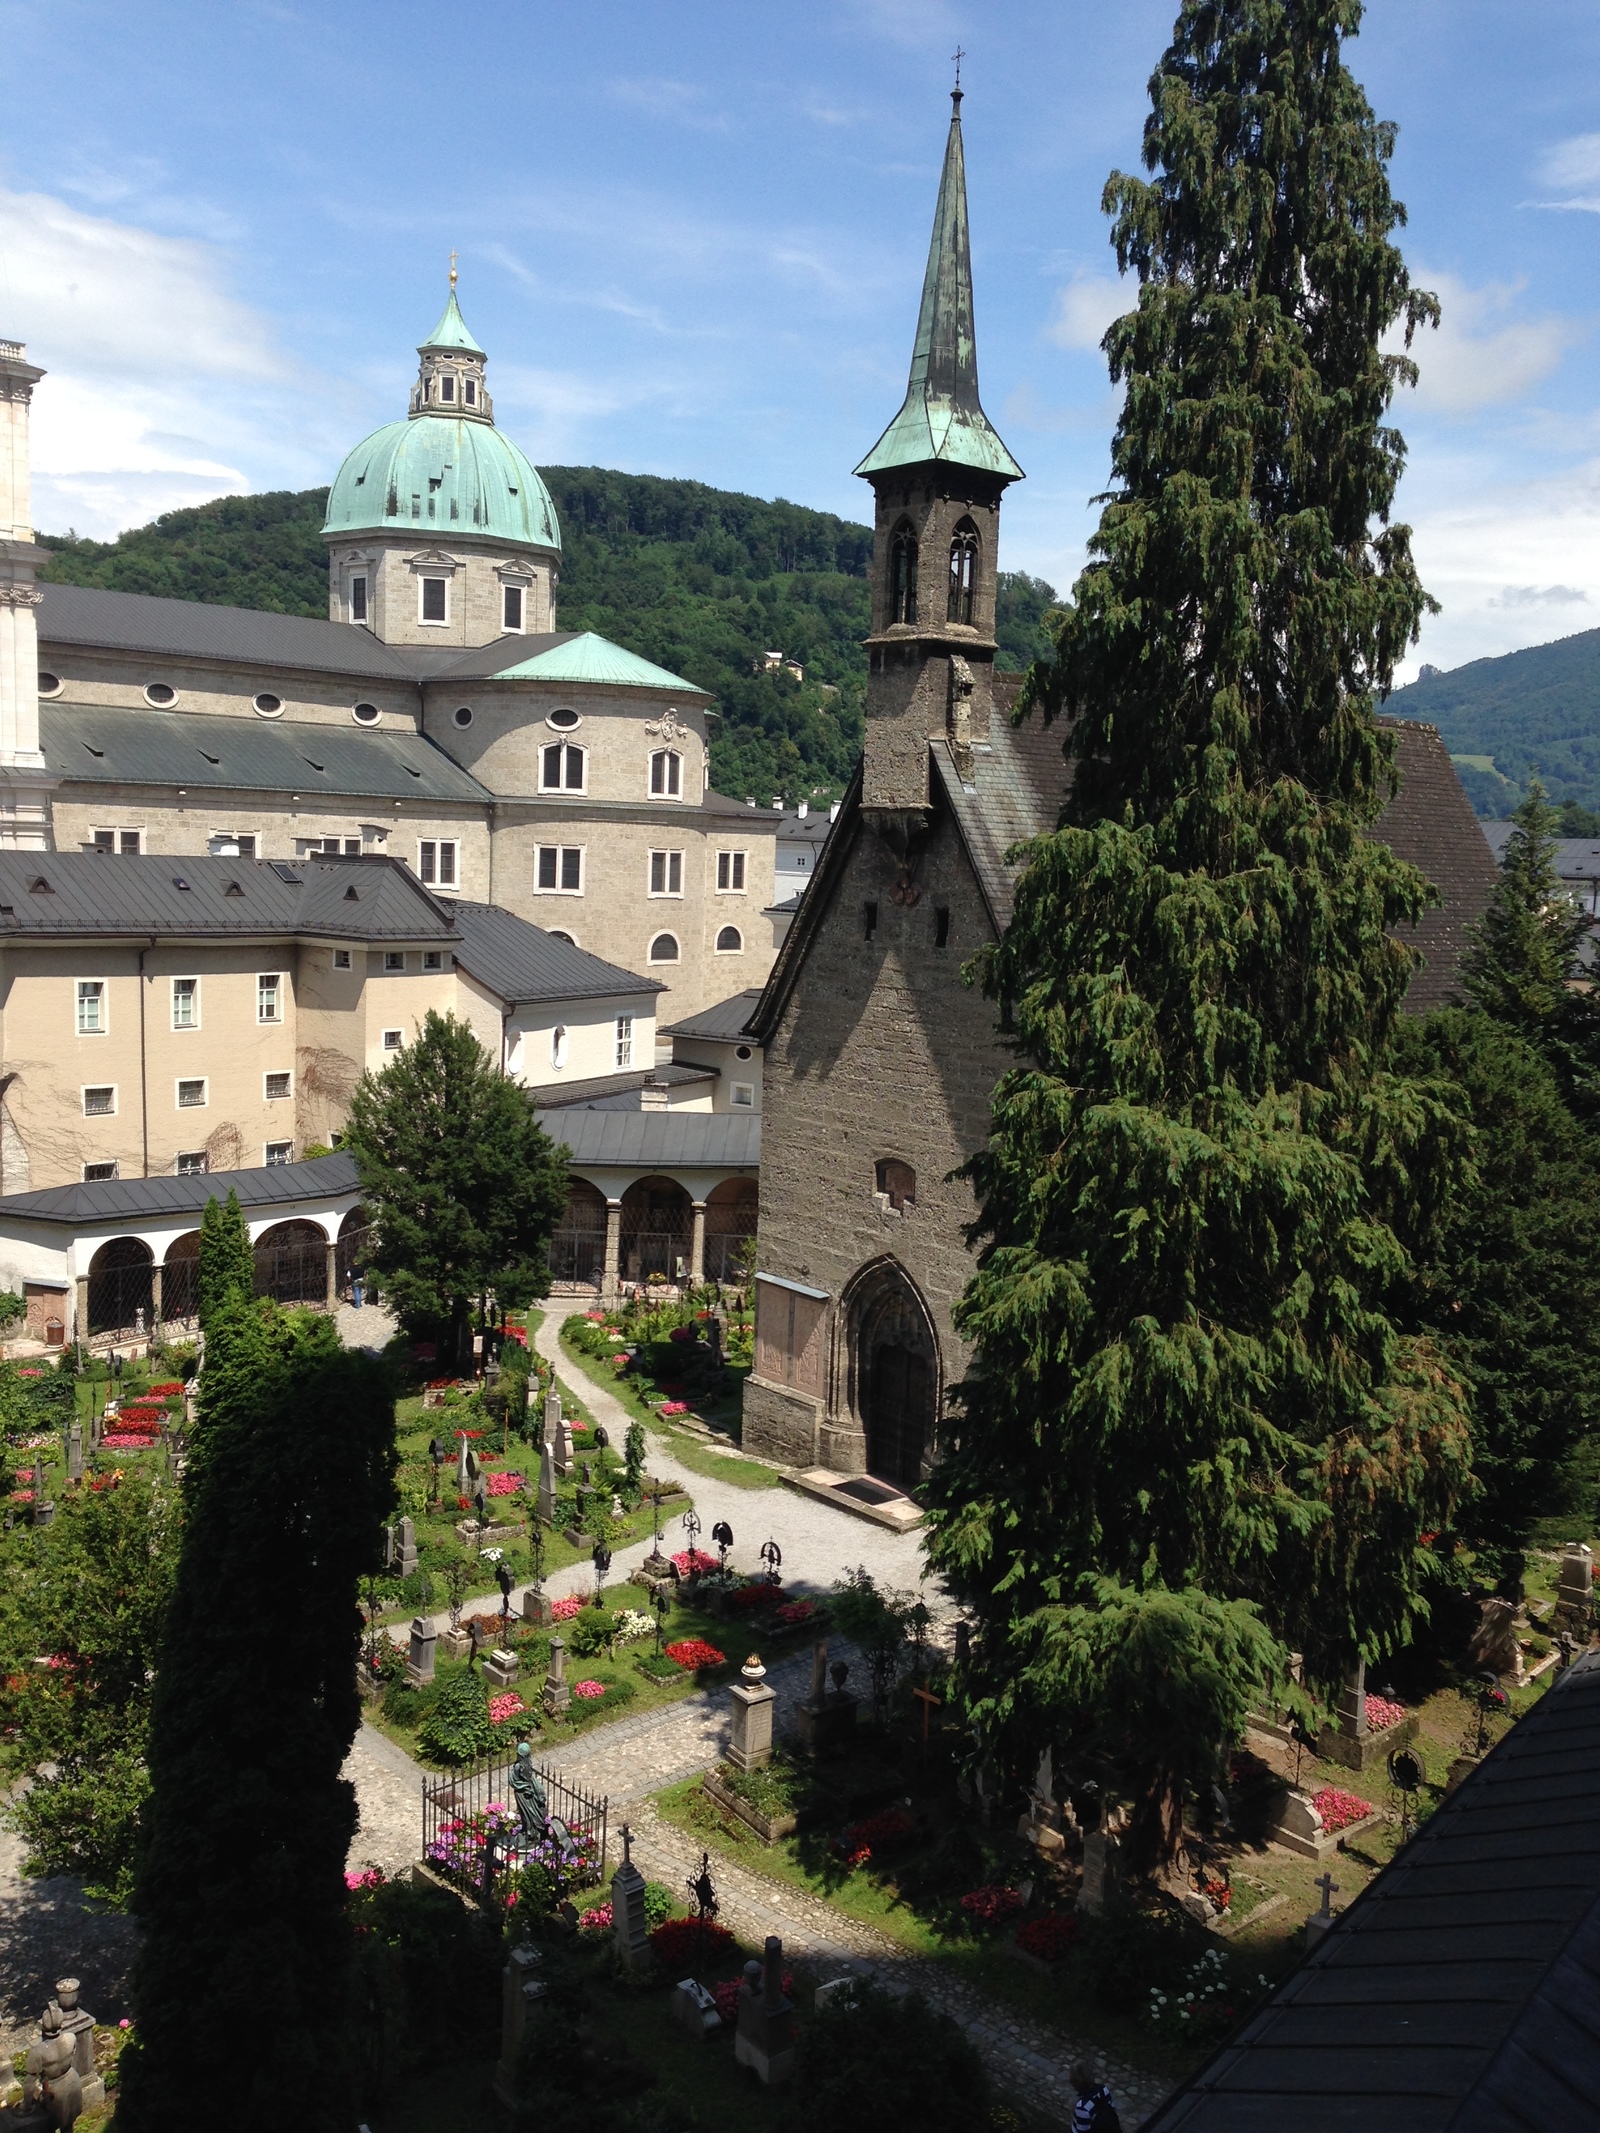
(25, 781)
(937, 473)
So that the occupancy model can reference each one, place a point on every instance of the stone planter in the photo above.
(769, 1828)
(1366, 1751)
(472, 1535)
(1299, 1827)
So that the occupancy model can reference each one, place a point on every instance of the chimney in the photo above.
(803, 809)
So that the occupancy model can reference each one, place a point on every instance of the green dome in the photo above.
(442, 475)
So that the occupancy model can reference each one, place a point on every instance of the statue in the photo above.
(49, 2074)
(527, 1788)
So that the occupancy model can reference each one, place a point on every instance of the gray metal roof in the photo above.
(91, 617)
(522, 962)
(1459, 1990)
(126, 1199)
(667, 1140)
(722, 1024)
(617, 1092)
(91, 744)
(96, 894)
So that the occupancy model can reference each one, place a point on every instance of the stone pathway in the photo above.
(48, 1930)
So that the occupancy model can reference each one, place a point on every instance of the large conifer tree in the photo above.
(1188, 1401)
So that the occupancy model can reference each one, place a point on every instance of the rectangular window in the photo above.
(666, 774)
(789, 1329)
(186, 1003)
(193, 1165)
(666, 873)
(624, 1040)
(341, 959)
(358, 599)
(269, 997)
(558, 869)
(129, 842)
(394, 959)
(730, 870)
(447, 388)
(742, 1096)
(97, 1173)
(279, 1153)
(192, 1094)
(511, 607)
(92, 1017)
(275, 1087)
(561, 768)
(437, 862)
(472, 392)
(105, 840)
(100, 1102)
(392, 1039)
(434, 605)
(432, 959)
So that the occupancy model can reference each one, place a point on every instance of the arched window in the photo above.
(730, 941)
(664, 948)
(963, 571)
(666, 774)
(903, 573)
(556, 935)
(558, 1045)
(561, 768)
(898, 1183)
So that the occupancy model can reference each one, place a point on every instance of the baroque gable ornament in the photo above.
(20, 596)
(669, 727)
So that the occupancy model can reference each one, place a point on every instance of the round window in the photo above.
(160, 693)
(743, 1052)
(564, 720)
(49, 684)
(463, 717)
(366, 714)
(269, 705)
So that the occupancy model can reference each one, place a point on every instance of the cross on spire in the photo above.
(453, 249)
(958, 55)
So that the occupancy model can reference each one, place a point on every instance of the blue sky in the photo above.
(691, 239)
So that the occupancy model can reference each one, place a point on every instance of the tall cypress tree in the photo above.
(227, 1267)
(1201, 1182)
(241, 1890)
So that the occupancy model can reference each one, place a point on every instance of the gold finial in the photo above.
(452, 269)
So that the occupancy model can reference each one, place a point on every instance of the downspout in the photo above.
(144, 1079)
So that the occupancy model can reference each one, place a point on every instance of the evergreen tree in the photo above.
(1201, 1179)
(463, 1184)
(241, 1890)
(227, 1269)
(1508, 1288)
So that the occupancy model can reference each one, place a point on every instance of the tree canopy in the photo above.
(463, 1185)
(227, 1269)
(1204, 1179)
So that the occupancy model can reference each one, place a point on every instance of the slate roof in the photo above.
(520, 962)
(618, 1092)
(666, 1140)
(99, 894)
(1430, 821)
(93, 744)
(1461, 1990)
(91, 616)
(721, 1024)
(125, 1199)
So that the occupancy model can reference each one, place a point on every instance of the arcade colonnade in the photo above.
(134, 1283)
(619, 1229)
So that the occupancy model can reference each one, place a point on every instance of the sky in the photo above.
(692, 241)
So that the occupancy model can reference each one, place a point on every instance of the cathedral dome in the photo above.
(444, 475)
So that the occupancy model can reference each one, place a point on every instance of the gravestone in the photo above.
(557, 1695)
(75, 1453)
(837, 1988)
(522, 1989)
(1575, 1590)
(764, 2039)
(419, 1664)
(751, 1745)
(547, 1484)
(1299, 1827)
(78, 2023)
(1494, 1648)
(464, 1464)
(501, 1668)
(552, 1421)
(694, 2009)
(1101, 1852)
(537, 1608)
(566, 1454)
(1320, 1923)
(627, 1909)
(405, 1551)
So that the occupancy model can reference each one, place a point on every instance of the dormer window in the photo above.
(447, 388)
(470, 390)
(666, 774)
(511, 607)
(434, 604)
(963, 572)
(903, 573)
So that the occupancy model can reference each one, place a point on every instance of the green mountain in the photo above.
(700, 580)
(1526, 714)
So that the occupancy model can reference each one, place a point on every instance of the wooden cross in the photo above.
(928, 1701)
(1330, 1888)
(627, 1845)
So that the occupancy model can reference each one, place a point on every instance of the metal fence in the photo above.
(463, 1813)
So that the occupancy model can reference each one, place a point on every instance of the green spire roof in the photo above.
(587, 657)
(942, 418)
(451, 331)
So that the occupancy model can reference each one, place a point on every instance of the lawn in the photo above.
(640, 1394)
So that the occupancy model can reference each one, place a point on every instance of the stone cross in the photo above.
(1330, 1888)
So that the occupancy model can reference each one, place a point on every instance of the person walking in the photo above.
(1094, 2111)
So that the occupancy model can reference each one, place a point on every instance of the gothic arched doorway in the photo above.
(894, 1368)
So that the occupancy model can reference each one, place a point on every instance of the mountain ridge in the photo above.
(1514, 716)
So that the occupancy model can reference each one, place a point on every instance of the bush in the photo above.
(404, 1705)
(1124, 1951)
(873, 2059)
(685, 1944)
(459, 1727)
(657, 1904)
(591, 1632)
(417, 1590)
(424, 1958)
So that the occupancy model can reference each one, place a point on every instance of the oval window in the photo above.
(160, 694)
(49, 684)
(563, 720)
(558, 1045)
(730, 941)
(269, 705)
(366, 714)
(664, 948)
(463, 716)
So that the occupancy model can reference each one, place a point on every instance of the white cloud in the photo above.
(1572, 167)
(1540, 596)
(1086, 307)
(1481, 354)
(681, 103)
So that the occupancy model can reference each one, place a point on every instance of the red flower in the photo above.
(691, 1943)
(991, 1902)
(692, 1652)
(1339, 1809)
(1048, 1937)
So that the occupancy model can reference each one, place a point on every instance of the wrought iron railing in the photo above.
(472, 1833)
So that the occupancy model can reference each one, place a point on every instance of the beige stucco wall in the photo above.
(118, 679)
(618, 729)
(475, 575)
(591, 1027)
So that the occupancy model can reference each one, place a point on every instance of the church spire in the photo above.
(942, 418)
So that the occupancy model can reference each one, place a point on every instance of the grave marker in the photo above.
(627, 1909)
(751, 1745)
(419, 1663)
(764, 2039)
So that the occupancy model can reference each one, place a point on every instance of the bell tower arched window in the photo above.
(963, 571)
(903, 573)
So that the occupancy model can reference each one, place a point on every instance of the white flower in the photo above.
(491, 1555)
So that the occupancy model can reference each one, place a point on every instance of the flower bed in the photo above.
(750, 1599)
(682, 1944)
(1381, 1713)
(503, 1485)
(1049, 1937)
(166, 1391)
(564, 1610)
(726, 1996)
(794, 1614)
(126, 1441)
(673, 1407)
(693, 1560)
(508, 1706)
(597, 1918)
(879, 1832)
(693, 1652)
(590, 1691)
(988, 1905)
(1339, 1809)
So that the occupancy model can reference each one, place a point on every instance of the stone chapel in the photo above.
(880, 1061)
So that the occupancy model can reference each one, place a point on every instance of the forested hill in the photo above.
(700, 580)
(1534, 713)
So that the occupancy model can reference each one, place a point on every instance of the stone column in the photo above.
(751, 1745)
(155, 1298)
(1352, 1706)
(25, 781)
(611, 1279)
(557, 1696)
(332, 1251)
(80, 1320)
(627, 1911)
(764, 2039)
(697, 1243)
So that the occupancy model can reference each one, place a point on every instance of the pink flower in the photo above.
(674, 1407)
(501, 1708)
(564, 1610)
(597, 1918)
(1381, 1712)
(1339, 1808)
(589, 1690)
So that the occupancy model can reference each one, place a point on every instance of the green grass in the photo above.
(691, 1451)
